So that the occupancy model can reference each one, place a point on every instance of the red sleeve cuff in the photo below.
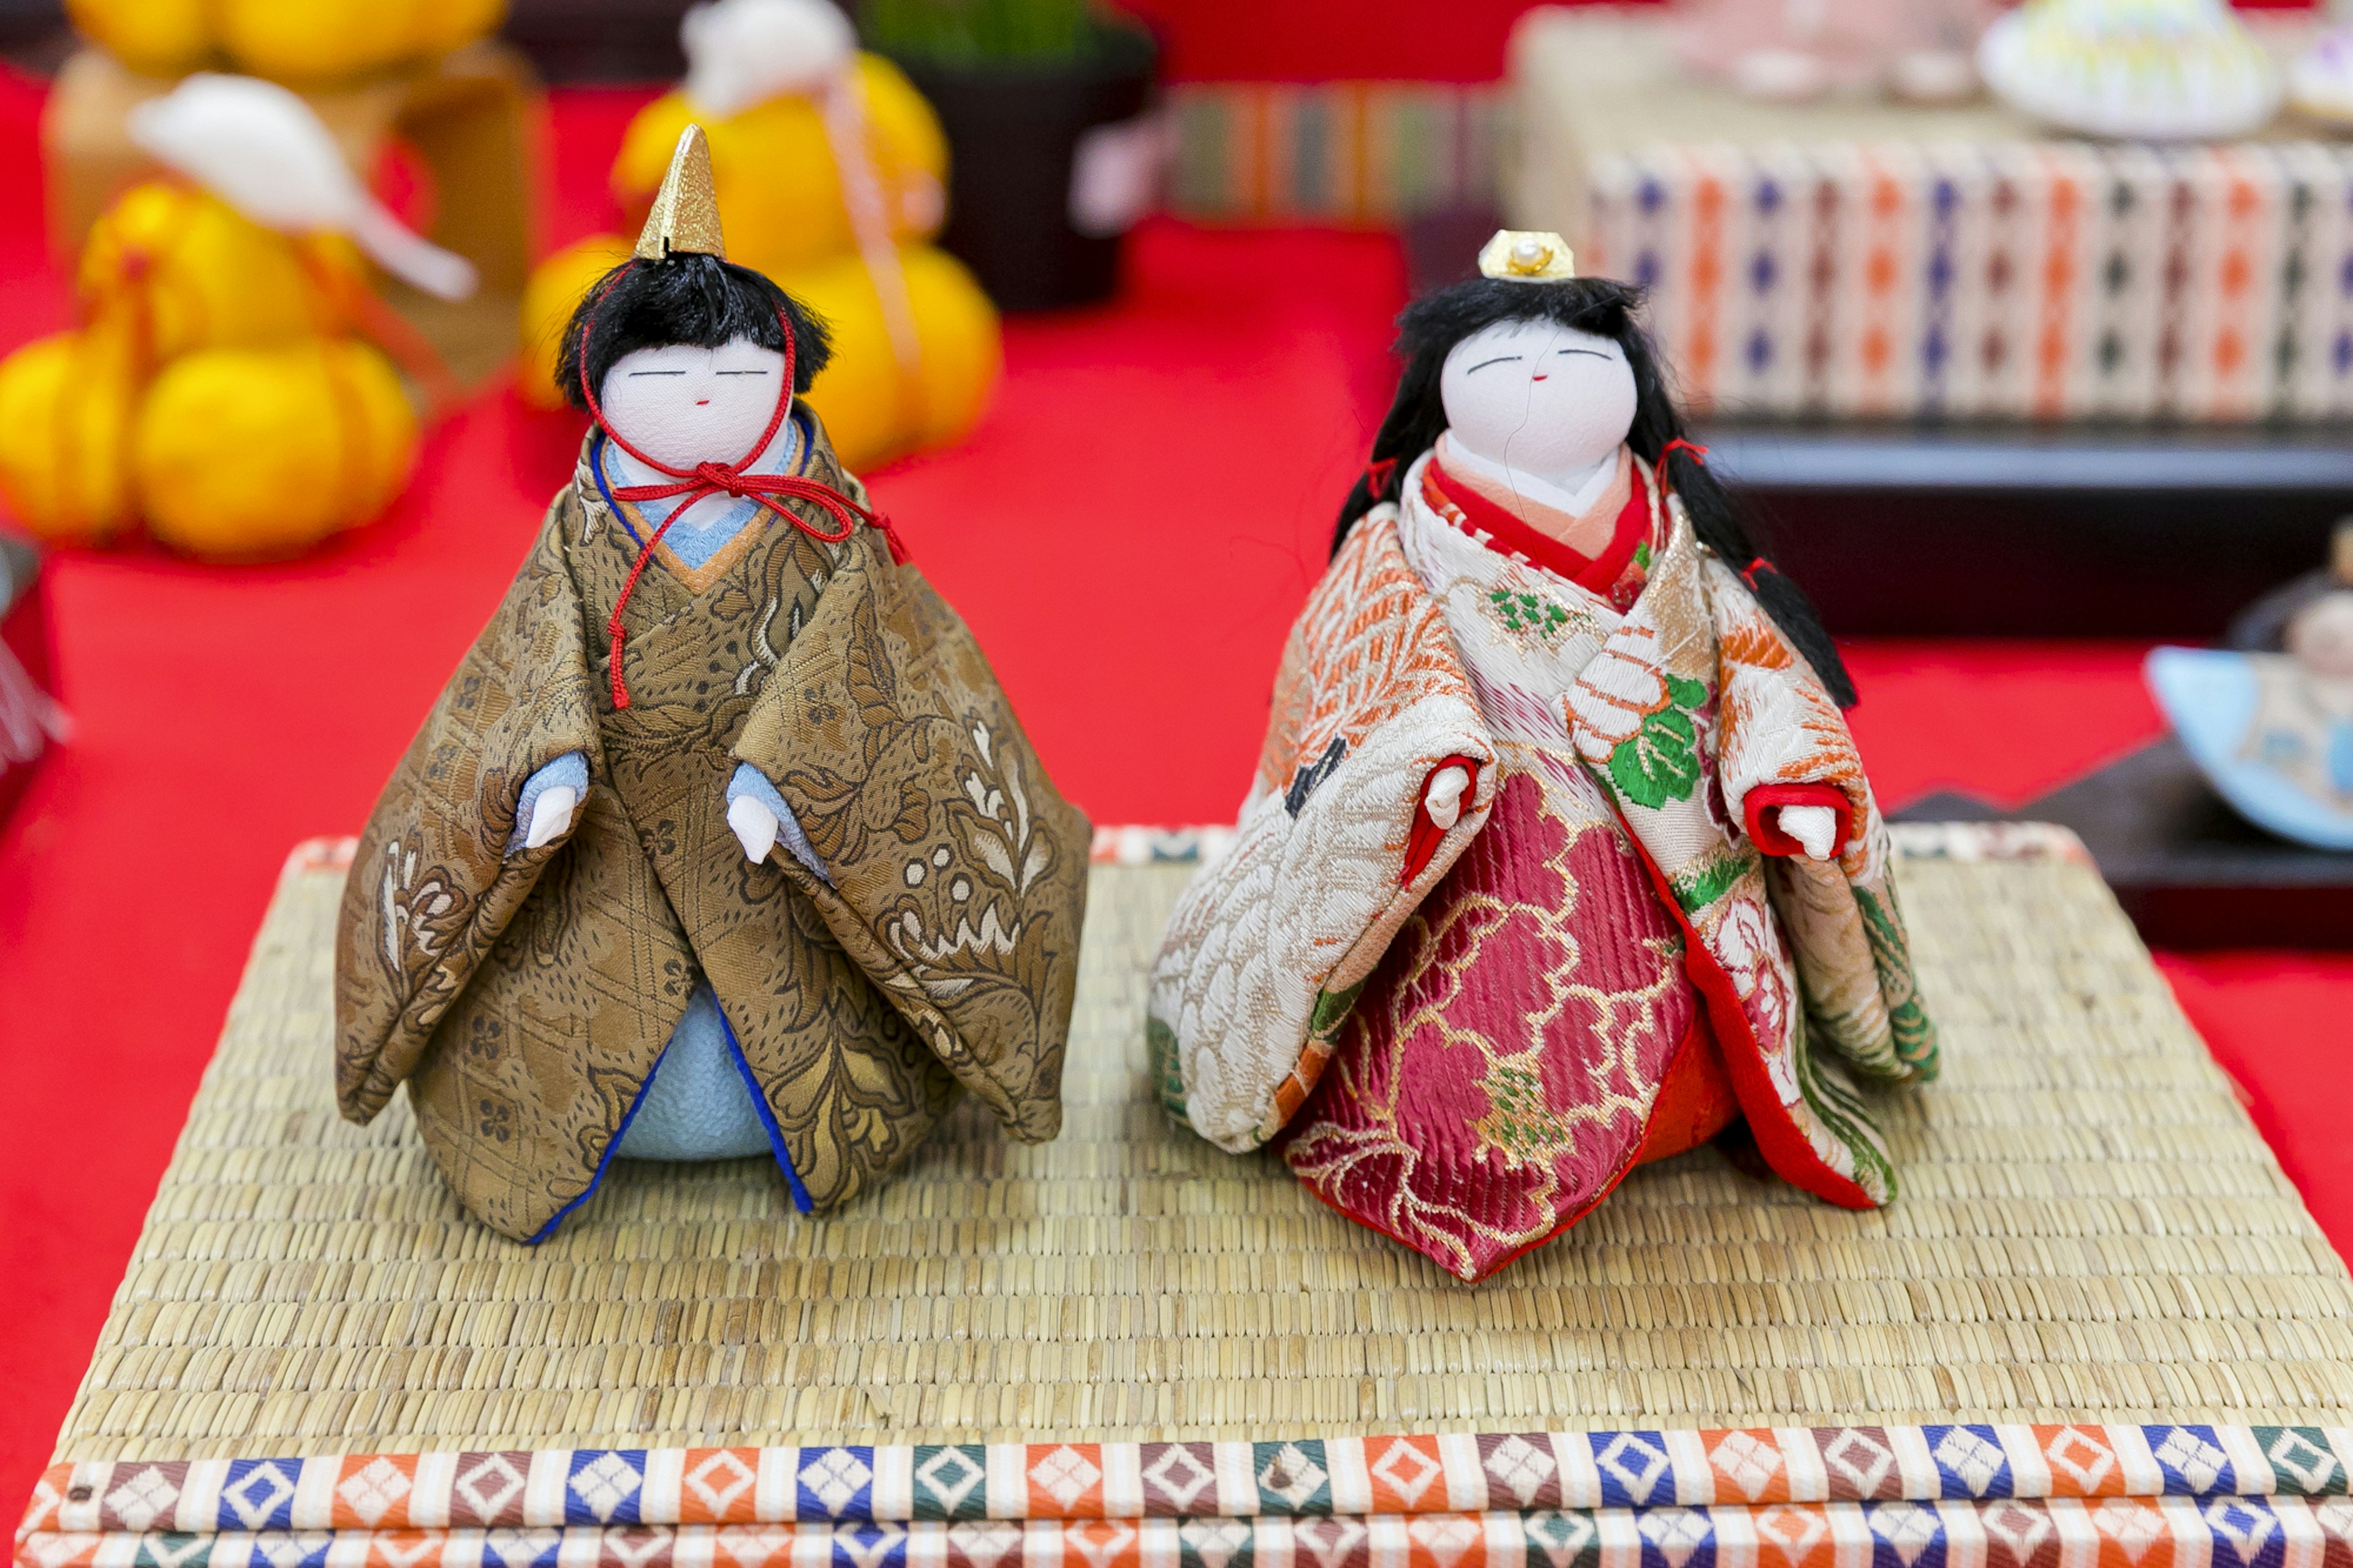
(1762, 809)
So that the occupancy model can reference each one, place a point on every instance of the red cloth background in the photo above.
(1324, 40)
(1129, 533)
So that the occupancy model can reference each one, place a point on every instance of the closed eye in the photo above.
(1594, 353)
(1499, 359)
(639, 373)
(739, 373)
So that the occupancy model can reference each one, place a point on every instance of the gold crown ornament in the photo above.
(1527, 255)
(685, 217)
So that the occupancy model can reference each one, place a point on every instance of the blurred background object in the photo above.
(449, 136)
(1937, 344)
(2162, 70)
(1054, 152)
(30, 720)
(1919, 50)
(831, 168)
(220, 383)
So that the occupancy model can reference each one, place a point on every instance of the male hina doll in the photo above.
(722, 840)
(1559, 858)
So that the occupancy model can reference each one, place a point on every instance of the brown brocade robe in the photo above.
(526, 997)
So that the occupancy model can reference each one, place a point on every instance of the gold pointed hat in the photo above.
(685, 219)
(1525, 256)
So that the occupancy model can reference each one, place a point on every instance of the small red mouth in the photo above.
(705, 402)
(1546, 377)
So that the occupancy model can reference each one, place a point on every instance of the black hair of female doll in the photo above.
(1428, 330)
(685, 299)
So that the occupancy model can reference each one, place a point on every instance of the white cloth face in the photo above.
(1539, 400)
(680, 404)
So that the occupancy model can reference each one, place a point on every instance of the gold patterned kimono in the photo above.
(526, 994)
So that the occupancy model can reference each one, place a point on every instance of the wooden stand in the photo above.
(2188, 870)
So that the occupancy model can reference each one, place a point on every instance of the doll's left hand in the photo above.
(756, 827)
(760, 817)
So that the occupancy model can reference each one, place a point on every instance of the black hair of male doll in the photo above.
(1429, 330)
(686, 299)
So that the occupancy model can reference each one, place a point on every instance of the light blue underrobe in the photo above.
(698, 1104)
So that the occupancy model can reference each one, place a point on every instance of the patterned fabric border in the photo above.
(1338, 151)
(2117, 1533)
(1331, 1477)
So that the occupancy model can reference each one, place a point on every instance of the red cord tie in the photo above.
(706, 479)
(1698, 452)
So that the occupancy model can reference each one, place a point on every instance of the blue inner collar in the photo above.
(696, 545)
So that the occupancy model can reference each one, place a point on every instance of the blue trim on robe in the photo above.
(801, 1199)
(604, 1161)
(767, 1119)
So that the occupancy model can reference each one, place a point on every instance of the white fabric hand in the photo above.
(1814, 827)
(754, 825)
(550, 816)
(1443, 800)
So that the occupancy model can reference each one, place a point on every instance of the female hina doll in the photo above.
(722, 839)
(1559, 858)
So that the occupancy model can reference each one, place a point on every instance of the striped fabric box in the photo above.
(2036, 281)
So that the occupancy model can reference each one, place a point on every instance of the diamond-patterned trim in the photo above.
(1994, 1532)
(1521, 1472)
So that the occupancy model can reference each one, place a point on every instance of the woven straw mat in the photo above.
(2088, 1229)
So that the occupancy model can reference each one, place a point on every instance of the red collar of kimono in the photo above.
(1475, 514)
(688, 486)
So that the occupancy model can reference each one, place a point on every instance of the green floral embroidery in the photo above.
(1168, 1072)
(1891, 954)
(1704, 884)
(1332, 1010)
(1660, 762)
(1528, 615)
(1642, 555)
(1521, 1123)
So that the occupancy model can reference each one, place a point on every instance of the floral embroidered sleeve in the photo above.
(1783, 743)
(1354, 818)
(945, 862)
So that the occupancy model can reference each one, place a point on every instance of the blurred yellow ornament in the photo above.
(288, 40)
(775, 172)
(315, 40)
(557, 286)
(873, 408)
(160, 37)
(177, 268)
(66, 409)
(962, 349)
(242, 452)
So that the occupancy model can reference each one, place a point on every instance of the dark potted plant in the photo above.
(1051, 153)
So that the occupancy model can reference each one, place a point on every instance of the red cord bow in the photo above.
(706, 479)
(1698, 452)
